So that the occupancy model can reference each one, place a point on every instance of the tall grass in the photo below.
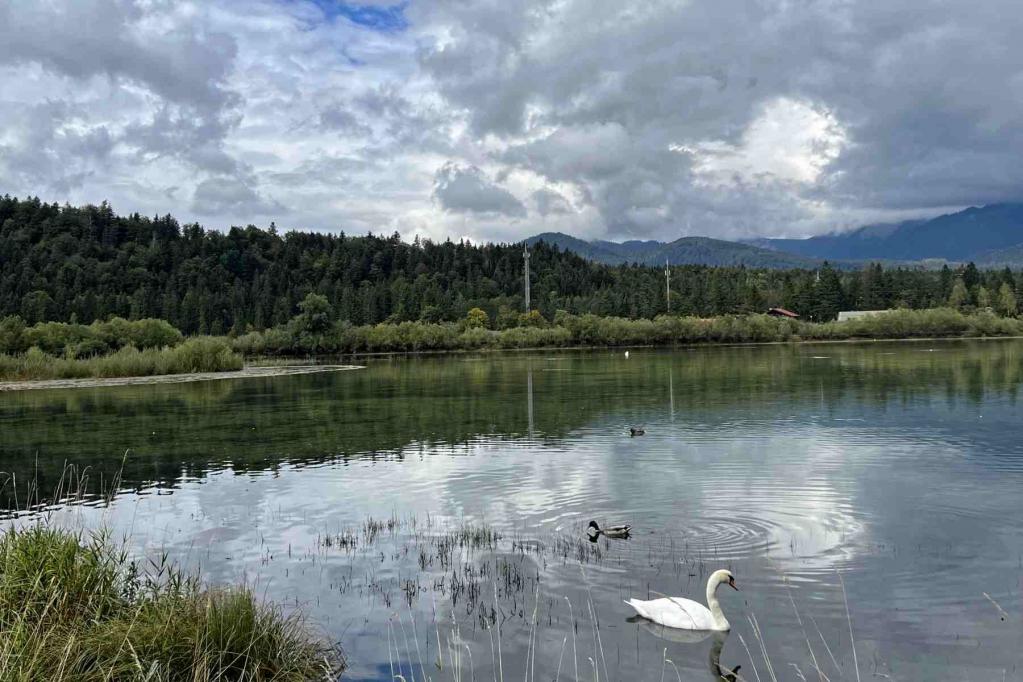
(199, 354)
(74, 608)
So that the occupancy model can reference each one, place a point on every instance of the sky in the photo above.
(498, 119)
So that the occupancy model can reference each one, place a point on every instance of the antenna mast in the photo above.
(667, 284)
(525, 256)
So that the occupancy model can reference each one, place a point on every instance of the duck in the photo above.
(686, 614)
(610, 531)
(636, 431)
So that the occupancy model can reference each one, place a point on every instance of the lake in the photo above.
(430, 513)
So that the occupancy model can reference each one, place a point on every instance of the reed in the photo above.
(75, 607)
(199, 354)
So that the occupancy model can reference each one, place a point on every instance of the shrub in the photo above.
(57, 337)
(532, 319)
(477, 318)
(152, 333)
(476, 338)
(12, 335)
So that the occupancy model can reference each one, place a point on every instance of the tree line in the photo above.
(84, 263)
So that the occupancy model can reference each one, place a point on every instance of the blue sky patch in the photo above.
(378, 18)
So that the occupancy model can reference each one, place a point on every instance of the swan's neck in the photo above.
(720, 622)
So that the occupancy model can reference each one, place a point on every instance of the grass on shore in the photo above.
(199, 354)
(74, 608)
(593, 330)
(218, 354)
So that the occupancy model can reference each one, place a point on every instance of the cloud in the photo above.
(166, 52)
(789, 142)
(730, 119)
(466, 190)
(48, 147)
(231, 196)
(548, 202)
(337, 117)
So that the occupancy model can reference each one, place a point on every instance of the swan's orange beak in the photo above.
(731, 583)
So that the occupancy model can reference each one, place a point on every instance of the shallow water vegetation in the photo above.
(76, 608)
(199, 354)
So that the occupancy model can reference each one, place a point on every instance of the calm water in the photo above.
(898, 467)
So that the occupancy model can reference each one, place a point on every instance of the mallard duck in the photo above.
(610, 531)
(636, 431)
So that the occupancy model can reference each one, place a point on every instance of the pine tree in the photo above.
(828, 295)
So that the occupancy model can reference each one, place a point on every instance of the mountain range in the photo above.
(990, 236)
(684, 251)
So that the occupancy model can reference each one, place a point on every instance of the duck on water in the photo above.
(610, 531)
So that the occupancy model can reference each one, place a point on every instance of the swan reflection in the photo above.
(719, 673)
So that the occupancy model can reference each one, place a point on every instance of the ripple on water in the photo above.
(733, 537)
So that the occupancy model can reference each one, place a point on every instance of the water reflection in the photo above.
(899, 468)
(529, 397)
(718, 672)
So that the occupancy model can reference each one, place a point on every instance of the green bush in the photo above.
(79, 340)
(12, 335)
(477, 318)
(593, 330)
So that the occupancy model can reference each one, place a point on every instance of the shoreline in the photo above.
(254, 372)
(656, 346)
(279, 370)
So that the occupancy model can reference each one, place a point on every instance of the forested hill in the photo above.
(85, 263)
(683, 251)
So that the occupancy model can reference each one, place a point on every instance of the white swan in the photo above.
(686, 614)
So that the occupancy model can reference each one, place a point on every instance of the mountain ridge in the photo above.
(957, 237)
(991, 235)
(682, 251)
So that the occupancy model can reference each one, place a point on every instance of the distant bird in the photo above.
(626, 355)
(686, 614)
(636, 431)
(611, 531)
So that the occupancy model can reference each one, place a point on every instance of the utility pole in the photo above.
(525, 256)
(667, 285)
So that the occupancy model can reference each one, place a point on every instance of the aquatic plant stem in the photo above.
(848, 617)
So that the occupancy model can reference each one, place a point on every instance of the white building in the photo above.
(854, 314)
